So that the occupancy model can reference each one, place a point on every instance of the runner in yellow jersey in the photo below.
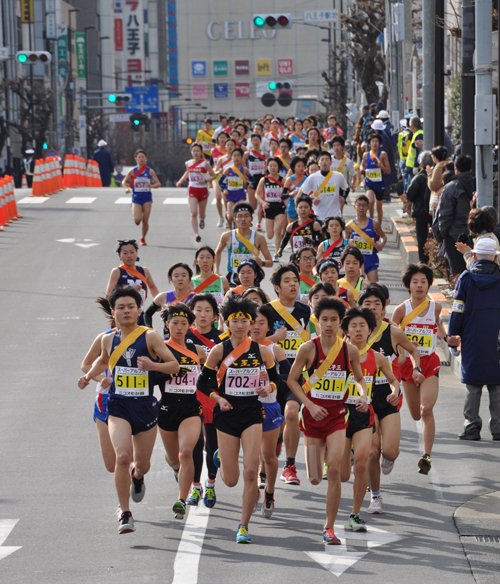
(204, 137)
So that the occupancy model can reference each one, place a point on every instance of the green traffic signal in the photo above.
(272, 85)
(137, 122)
(22, 58)
(258, 21)
(45, 146)
(112, 98)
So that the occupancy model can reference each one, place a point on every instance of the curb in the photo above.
(409, 252)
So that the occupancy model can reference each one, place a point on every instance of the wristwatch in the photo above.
(419, 369)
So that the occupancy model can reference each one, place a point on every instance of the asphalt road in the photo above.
(59, 498)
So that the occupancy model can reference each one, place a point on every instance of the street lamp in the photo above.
(69, 90)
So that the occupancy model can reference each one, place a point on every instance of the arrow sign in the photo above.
(6, 526)
(336, 559)
(86, 245)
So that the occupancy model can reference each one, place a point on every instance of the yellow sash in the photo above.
(374, 336)
(125, 344)
(345, 284)
(415, 312)
(248, 244)
(285, 164)
(314, 320)
(323, 184)
(239, 173)
(339, 169)
(361, 233)
(323, 368)
(296, 326)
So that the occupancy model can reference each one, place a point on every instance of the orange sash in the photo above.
(231, 358)
(134, 272)
(191, 354)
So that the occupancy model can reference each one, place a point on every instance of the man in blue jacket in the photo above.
(105, 161)
(475, 317)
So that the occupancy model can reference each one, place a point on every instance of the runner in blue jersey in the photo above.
(234, 182)
(131, 354)
(142, 179)
(298, 136)
(293, 184)
(375, 164)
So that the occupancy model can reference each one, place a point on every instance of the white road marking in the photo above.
(81, 200)
(70, 240)
(32, 200)
(336, 559)
(187, 559)
(6, 526)
(86, 245)
(123, 201)
(175, 201)
(214, 202)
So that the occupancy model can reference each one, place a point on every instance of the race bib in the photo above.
(374, 175)
(131, 382)
(298, 242)
(354, 394)
(142, 185)
(332, 386)
(380, 378)
(257, 167)
(329, 189)
(291, 344)
(197, 179)
(219, 296)
(183, 384)
(234, 185)
(237, 258)
(423, 335)
(364, 247)
(207, 146)
(242, 381)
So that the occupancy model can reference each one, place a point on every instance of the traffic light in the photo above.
(139, 121)
(281, 85)
(272, 21)
(32, 57)
(284, 98)
(119, 98)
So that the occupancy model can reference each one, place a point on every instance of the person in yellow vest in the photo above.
(404, 140)
(204, 137)
(416, 145)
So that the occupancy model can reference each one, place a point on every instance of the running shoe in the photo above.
(386, 466)
(220, 222)
(330, 538)
(276, 258)
(267, 506)
(194, 496)
(202, 223)
(258, 227)
(143, 241)
(262, 481)
(137, 487)
(356, 523)
(242, 534)
(325, 472)
(198, 238)
(126, 523)
(217, 458)
(424, 464)
(118, 513)
(289, 475)
(375, 505)
(209, 499)
(179, 509)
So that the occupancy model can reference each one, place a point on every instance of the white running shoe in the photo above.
(220, 222)
(386, 466)
(375, 506)
(267, 508)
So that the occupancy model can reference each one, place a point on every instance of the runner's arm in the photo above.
(153, 308)
(93, 354)
(398, 314)
(201, 354)
(156, 181)
(113, 281)
(363, 161)
(182, 179)
(127, 179)
(156, 346)
(100, 364)
(218, 252)
(321, 251)
(453, 341)
(379, 246)
(284, 242)
(261, 244)
(361, 402)
(384, 163)
(151, 285)
(260, 191)
(350, 299)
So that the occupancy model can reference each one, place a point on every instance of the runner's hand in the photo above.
(224, 405)
(362, 404)
(316, 201)
(83, 382)
(280, 334)
(317, 412)
(379, 247)
(127, 190)
(106, 382)
(146, 364)
(258, 261)
(393, 398)
(265, 206)
(264, 390)
(137, 287)
(418, 378)
(453, 341)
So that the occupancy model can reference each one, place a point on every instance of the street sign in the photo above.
(143, 99)
(119, 117)
(4, 53)
(314, 16)
(81, 55)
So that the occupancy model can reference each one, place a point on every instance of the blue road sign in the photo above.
(143, 99)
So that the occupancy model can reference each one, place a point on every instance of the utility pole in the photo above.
(428, 40)
(467, 130)
(439, 75)
(485, 106)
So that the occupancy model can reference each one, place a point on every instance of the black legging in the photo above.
(211, 445)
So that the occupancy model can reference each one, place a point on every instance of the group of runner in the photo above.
(238, 370)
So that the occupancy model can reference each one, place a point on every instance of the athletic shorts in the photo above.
(371, 262)
(274, 210)
(235, 196)
(101, 407)
(284, 397)
(234, 422)
(174, 411)
(379, 195)
(255, 179)
(380, 404)
(142, 198)
(358, 420)
(140, 413)
(273, 418)
(336, 420)
(199, 193)
(208, 407)
(430, 365)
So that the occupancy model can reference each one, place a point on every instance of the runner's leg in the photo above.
(137, 213)
(335, 449)
(229, 450)
(279, 226)
(188, 435)
(107, 450)
(120, 433)
(428, 397)
(218, 199)
(250, 441)
(380, 211)
(374, 460)
(371, 197)
(146, 212)
(269, 458)
(193, 208)
(203, 209)
(270, 229)
(291, 432)
(362, 443)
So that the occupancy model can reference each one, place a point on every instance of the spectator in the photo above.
(365, 112)
(435, 180)
(404, 140)
(475, 317)
(453, 210)
(105, 161)
(416, 145)
(493, 212)
(482, 225)
(389, 145)
(419, 194)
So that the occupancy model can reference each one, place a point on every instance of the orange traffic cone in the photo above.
(97, 175)
(9, 185)
(24, 184)
(35, 188)
(59, 176)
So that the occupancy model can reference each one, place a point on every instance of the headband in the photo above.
(239, 315)
(248, 208)
(179, 312)
(328, 264)
(250, 263)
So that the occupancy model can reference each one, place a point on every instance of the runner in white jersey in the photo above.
(343, 164)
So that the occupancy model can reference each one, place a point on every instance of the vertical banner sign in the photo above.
(172, 48)
(26, 10)
(118, 34)
(133, 21)
(62, 49)
(81, 55)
